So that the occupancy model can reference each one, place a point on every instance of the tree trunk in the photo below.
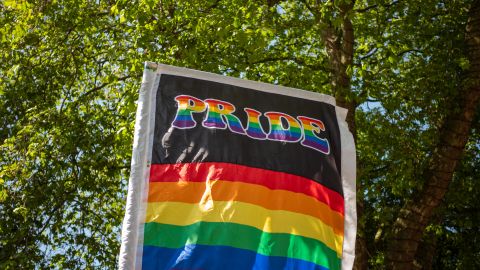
(361, 251)
(408, 229)
(340, 49)
(426, 252)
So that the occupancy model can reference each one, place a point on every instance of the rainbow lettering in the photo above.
(293, 133)
(186, 106)
(217, 109)
(220, 116)
(254, 129)
(310, 127)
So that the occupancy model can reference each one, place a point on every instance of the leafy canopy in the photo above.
(71, 70)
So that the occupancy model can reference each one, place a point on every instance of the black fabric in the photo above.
(199, 144)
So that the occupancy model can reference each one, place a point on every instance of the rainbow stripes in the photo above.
(310, 126)
(187, 105)
(220, 115)
(254, 129)
(217, 109)
(293, 133)
(225, 216)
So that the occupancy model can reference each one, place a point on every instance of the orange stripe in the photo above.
(208, 171)
(218, 190)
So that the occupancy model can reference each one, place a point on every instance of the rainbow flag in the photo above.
(234, 174)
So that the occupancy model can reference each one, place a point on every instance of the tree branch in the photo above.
(298, 61)
(415, 215)
(365, 9)
(409, 51)
(101, 86)
(369, 54)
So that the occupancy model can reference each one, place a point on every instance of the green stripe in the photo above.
(295, 130)
(244, 237)
(254, 125)
(184, 112)
(213, 114)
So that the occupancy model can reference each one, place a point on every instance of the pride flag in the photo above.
(235, 174)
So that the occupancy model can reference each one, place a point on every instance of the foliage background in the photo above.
(70, 72)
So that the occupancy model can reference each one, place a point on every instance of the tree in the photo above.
(453, 136)
(407, 71)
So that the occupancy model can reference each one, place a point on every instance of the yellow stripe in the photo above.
(273, 221)
(188, 107)
(253, 119)
(218, 190)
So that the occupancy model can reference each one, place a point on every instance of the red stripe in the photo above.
(200, 172)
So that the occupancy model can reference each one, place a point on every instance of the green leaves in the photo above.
(69, 80)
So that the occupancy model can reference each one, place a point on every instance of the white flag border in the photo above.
(131, 248)
(132, 231)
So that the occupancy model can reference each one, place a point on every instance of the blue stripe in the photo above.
(284, 135)
(180, 117)
(256, 132)
(287, 132)
(234, 124)
(201, 257)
